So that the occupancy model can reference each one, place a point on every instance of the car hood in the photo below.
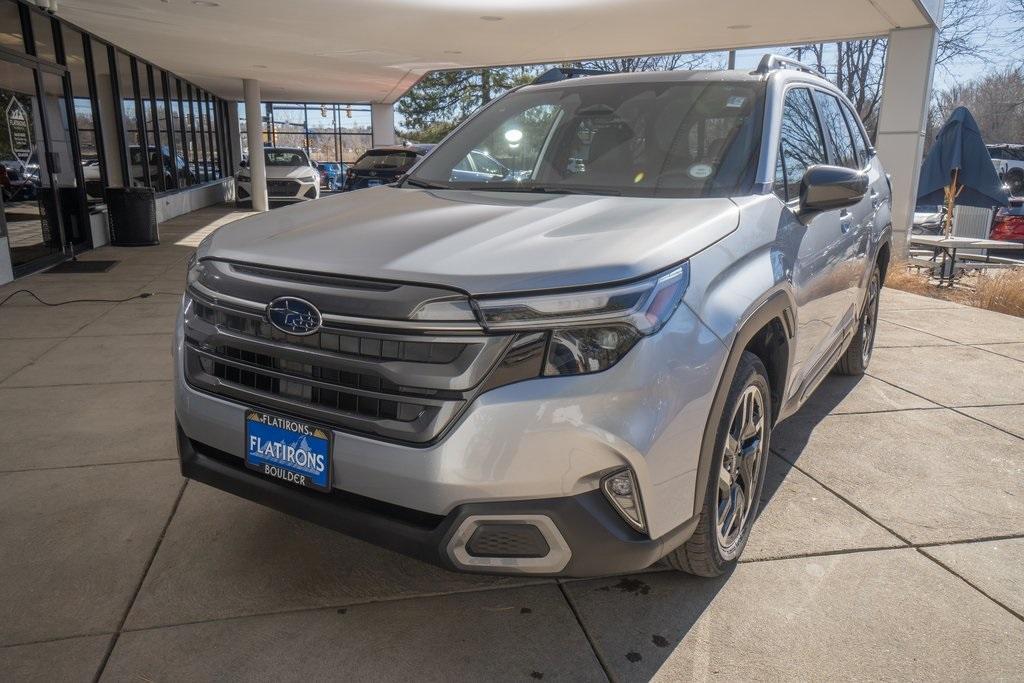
(477, 242)
(280, 172)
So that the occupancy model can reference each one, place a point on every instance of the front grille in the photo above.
(282, 188)
(385, 384)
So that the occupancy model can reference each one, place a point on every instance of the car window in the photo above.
(801, 144)
(660, 139)
(486, 164)
(859, 143)
(837, 130)
(385, 160)
(285, 157)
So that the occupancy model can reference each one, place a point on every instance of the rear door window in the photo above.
(837, 130)
(801, 144)
(860, 144)
(385, 161)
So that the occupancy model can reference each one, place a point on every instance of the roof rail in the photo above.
(771, 62)
(560, 73)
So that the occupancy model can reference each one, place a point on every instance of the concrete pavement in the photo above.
(890, 545)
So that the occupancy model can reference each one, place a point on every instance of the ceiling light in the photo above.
(205, 3)
(738, 26)
(491, 17)
(259, 66)
(453, 52)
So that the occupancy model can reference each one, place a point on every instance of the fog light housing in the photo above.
(621, 491)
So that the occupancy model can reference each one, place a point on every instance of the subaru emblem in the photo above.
(294, 316)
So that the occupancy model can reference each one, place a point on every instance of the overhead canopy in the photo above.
(374, 50)
(959, 146)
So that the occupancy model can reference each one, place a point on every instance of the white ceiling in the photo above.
(374, 50)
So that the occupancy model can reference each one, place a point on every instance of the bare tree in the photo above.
(673, 62)
(996, 100)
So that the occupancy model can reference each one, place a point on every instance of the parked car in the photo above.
(1009, 163)
(575, 371)
(161, 167)
(16, 185)
(1008, 223)
(332, 174)
(928, 220)
(383, 165)
(291, 177)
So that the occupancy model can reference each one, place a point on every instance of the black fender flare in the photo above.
(777, 305)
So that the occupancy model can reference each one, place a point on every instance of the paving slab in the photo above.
(68, 660)
(225, 557)
(156, 318)
(883, 615)
(75, 544)
(98, 423)
(995, 567)
(100, 360)
(964, 325)
(17, 353)
(800, 517)
(1009, 418)
(952, 375)
(838, 394)
(929, 475)
(1013, 350)
(892, 335)
(38, 321)
(521, 634)
(896, 300)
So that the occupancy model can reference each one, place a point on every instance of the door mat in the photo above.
(83, 267)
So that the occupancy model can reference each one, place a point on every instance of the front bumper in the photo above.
(538, 447)
(598, 541)
(283, 190)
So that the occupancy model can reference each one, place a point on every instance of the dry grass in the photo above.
(994, 290)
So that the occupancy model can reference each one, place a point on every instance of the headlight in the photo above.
(589, 331)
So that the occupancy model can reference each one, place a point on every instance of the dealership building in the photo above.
(97, 95)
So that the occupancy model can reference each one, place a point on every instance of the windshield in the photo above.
(385, 160)
(285, 157)
(667, 139)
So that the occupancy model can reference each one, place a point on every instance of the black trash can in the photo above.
(132, 212)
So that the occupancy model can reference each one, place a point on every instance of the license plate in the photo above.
(372, 183)
(288, 449)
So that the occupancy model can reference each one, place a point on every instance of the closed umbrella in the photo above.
(959, 170)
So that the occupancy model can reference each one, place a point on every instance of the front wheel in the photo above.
(858, 353)
(737, 476)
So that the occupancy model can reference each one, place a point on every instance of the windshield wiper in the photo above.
(425, 185)
(559, 189)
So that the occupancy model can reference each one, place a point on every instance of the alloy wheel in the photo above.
(740, 472)
(870, 317)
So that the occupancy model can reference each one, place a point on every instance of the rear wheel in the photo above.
(737, 476)
(858, 354)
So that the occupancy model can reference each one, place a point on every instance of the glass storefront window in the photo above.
(11, 36)
(126, 87)
(42, 33)
(85, 122)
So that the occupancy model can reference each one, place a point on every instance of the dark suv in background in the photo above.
(383, 165)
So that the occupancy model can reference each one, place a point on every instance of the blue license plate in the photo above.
(372, 183)
(287, 449)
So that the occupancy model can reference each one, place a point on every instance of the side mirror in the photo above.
(243, 164)
(824, 188)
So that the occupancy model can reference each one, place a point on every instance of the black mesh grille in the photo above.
(282, 187)
(507, 540)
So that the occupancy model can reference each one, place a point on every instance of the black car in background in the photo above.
(383, 165)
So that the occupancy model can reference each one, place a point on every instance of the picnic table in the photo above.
(948, 247)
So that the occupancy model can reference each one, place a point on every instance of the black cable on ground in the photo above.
(144, 295)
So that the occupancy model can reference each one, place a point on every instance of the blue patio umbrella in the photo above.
(959, 161)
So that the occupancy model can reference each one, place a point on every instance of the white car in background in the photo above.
(291, 177)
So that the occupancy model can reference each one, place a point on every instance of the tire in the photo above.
(242, 204)
(709, 552)
(854, 361)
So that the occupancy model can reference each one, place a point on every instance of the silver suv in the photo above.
(565, 362)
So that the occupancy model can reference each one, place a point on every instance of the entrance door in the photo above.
(28, 184)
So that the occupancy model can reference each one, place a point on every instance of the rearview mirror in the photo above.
(824, 188)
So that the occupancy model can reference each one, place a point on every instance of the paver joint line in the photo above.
(138, 586)
(586, 634)
(971, 584)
